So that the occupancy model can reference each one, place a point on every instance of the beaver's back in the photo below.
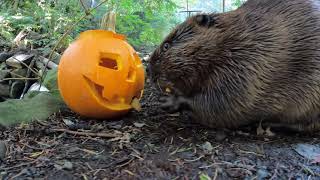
(273, 69)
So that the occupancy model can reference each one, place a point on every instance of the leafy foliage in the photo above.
(144, 22)
(237, 3)
(139, 20)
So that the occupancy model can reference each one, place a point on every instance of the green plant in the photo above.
(237, 3)
(144, 22)
(139, 21)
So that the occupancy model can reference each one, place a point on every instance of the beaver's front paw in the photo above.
(174, 104)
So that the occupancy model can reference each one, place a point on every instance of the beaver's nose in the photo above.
(152, 71)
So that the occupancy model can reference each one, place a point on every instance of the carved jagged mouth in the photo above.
(97, 89)
(98, 93)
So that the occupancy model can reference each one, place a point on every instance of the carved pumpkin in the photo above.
(100, 74)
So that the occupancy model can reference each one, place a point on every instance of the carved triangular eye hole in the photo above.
(108, 61)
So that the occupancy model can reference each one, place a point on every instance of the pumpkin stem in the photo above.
(108, 21)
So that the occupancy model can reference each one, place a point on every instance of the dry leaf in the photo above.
(168, 90)
(136, 104)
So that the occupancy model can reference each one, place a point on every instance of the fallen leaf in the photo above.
(203, 176)
(136, 104)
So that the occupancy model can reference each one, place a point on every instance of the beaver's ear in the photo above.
(205, 20)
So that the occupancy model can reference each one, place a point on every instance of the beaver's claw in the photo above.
(173, 104)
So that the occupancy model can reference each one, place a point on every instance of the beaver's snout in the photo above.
(153, 72)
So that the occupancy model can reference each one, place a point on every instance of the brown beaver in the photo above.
(260, 62)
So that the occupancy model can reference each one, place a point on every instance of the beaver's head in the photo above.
(177, 63)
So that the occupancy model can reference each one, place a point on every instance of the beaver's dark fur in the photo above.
(260, 62)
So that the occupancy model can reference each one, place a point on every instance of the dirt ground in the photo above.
(150, 144)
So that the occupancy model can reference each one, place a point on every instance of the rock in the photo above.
(47, 62)
(207, 146)
(68, 122)
(17, 61)
(146, 58)
(4, 56)
(3, 175)
(18, 73)
(43, 159)
(58, 167)
(16, 89)
(139, 125)
(35, 87)
(67, 165)
(308, 151)
(39, 65)
(3, 66)
(56, 57)
(3, 150)
(4, 90)
(4, 73)
(262, 174)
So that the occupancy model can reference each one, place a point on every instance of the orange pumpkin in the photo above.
(100, 74)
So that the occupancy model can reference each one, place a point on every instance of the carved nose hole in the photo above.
(107, 62)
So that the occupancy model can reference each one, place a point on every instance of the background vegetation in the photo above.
(144, 22)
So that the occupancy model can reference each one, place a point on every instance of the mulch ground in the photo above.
(150, 144)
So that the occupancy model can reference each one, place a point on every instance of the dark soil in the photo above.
(150, 144)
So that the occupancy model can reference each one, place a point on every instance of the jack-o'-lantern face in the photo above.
(104, 73)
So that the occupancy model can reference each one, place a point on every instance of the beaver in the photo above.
(258, 63)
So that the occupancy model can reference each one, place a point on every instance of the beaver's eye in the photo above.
(166, 46)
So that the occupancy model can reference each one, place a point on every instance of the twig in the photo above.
(193, 160)
(124, 164)
(215, 174)
(242, 166)
(20, 165)
(23, 63)
(275, 172)
(63, 37)
(18, 75)
(6, 79)
(105, 135)
(27, 83)
(84, 7)
(249, 152)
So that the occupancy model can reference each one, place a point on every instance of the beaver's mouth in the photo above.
(165, 86)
